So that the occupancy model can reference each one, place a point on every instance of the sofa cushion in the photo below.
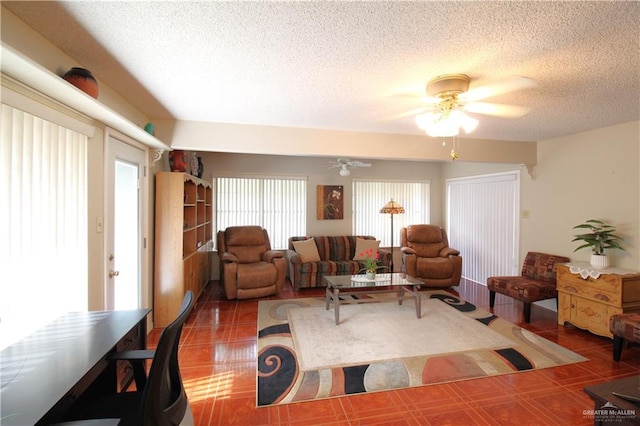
(307, 250)
(365, 246)
(626, 326)
(434, 267)
(256, 275)
(542, 266)
(522, 288)
(426, 240)
(247, 243)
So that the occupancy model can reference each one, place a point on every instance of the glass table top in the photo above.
(381, 280)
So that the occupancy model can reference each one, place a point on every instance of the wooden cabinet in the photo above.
(183, 241)
(588, 303)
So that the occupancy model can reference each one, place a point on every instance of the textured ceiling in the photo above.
(350, 65)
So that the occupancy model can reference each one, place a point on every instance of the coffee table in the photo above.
(346, 285)
(611, 409)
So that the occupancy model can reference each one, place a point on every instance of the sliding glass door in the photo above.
(482, 222)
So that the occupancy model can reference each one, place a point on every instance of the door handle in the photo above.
(113, 273)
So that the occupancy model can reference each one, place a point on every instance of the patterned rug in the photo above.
(286, 374)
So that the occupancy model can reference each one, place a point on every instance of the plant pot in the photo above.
(600, 261)
(371, 275)
(83, 80)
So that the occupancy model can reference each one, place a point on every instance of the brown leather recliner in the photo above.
(427, 256)
(248, 266)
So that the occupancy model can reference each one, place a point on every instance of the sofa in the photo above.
(335, 256)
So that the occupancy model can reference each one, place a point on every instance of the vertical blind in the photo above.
(43, 220)
(278, 205)
(483, 224)
(370, 196)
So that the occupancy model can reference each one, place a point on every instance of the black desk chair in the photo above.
(161, 401)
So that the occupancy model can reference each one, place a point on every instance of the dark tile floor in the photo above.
(218, 364)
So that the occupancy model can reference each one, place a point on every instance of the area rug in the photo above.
(303, 355)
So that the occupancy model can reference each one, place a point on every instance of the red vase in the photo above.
(178, 161)
(83, 80)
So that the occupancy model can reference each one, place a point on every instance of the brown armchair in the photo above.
(248, 266)
(427, 256)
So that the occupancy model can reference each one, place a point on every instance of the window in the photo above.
(43, 223)
(370, 196)
(278, 205)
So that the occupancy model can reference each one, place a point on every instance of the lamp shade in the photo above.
(392, 208)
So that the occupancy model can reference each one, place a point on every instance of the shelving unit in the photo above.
(34, 75)
(183, 241)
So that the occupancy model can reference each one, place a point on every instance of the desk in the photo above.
(44, 373)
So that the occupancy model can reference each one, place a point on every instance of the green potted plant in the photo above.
(600, 237)
(370, 264)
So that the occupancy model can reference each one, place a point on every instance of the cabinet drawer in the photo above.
(607, 291)
(124, 375)
(130, 341)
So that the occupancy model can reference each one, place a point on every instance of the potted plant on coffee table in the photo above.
(371, 263)
(600, 237)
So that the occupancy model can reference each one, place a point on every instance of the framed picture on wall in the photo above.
(329, 202)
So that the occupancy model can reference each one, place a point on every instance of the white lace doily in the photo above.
(585, 270)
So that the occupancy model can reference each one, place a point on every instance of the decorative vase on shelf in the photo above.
(194, 164)
(371, 275)
(178, 161)
(83, 80)
(600, 261)
(200, 167)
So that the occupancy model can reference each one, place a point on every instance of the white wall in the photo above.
(272, 140)
(316, 171)
(591, 175)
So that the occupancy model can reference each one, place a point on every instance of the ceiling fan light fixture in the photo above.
(442, 128)
(462, 120)
(344, 170)
(447, 84)
(448, 121)
(441, 125)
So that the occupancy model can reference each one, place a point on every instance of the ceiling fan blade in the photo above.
(511, 84)
(422, 97)
(409, 113)
(498, 110)
(359, 164)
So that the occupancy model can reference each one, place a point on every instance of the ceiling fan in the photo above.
(344, 164)
(449, 97)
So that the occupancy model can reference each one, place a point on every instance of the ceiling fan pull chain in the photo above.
(455, 144)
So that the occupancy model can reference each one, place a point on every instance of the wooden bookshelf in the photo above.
(183, 241)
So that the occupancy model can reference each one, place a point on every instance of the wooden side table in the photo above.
(610, 409)
(589, 303)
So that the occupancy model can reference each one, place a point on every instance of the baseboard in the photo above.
(550, 304)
